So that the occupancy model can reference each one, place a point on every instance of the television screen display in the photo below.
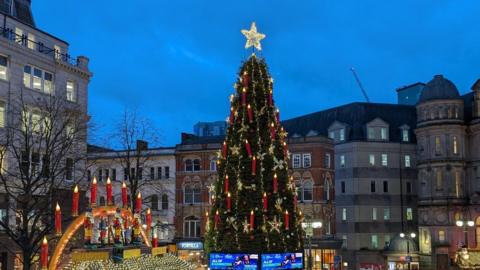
(277, 261)
(240, 261)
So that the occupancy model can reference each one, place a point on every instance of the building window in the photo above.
(439, 180)
(192, 194)
(342, 134)
(383, 133)
(125, 174)
(69, 169)
(409, 187)
(154, 202)
(71, 91)
(331, 134)
(196, 165)
(38, 79)
(3, 217)
(371, 159)
(191, 227)
(307, 161)
(188, 165)
(114, 174)
(213, 164)
(386, 213)
(407, 161)
(371, 133)
(307, 191)
(384, 160)
(140, 173)
(409, 214)
(296, 162)
(167, 172)
(164, 202)
(3, 67)
(438, 146)
(152, 173)
(458, 183)
(159, 172)
(344, 242)
(344, 214)
(387, 240)
(385, 186)
(326, 190)
(372, 186)
(374, 213)
(2, 114)
(343, 186)
(342, 161)
(327, 160)
(374, 241)
(405, 135)
(31, 41)
(441, 236)
(455, 145)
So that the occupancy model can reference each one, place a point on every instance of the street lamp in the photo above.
(409, 237)
(308, 227)
(465, 225)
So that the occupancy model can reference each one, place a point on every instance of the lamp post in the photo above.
(308, 227)
(465, 224)
(409, 237)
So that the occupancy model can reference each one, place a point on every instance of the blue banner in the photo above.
(282, 261)
(233, 261)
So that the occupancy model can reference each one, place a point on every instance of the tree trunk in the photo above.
(27, 260)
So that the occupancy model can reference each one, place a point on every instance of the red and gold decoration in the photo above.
(109, 192)
(75, 199)
(93, 192)
(44, 254)
(58, 220)
(138, 207)
(124, 195)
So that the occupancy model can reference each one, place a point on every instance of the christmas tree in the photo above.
(254, 207)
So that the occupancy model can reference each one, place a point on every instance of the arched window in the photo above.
(299, 189)
(307, 190)
(213, 164)
(326, 190)
(154, 202)
(188, 165)
(164, 202)
(102, 201)
(192, 194)
(196, 165)
(191, 227)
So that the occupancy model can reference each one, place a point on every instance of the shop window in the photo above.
(191, 227)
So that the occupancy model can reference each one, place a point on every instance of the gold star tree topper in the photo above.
(253, 37)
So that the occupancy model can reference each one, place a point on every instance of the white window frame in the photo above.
(187, 226)
(386, 213)
(213, 165)
(342, 161)
(385, 160)
(296, 161)
(371, 159)
(371, 133)
(405, 135)
(409, 213)
(3, 113)
(455, 145)
(344, 214)
(441, 235)
(384, 133)
(374, 241)
(374, 213)
(71, 91)
(305, 190)
(4, 69)
(408, 162)
(307, 160)
(30, 79)
(342, 134)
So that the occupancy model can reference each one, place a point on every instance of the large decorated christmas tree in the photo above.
(254, 206)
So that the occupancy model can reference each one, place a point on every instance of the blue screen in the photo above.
(238, 261)
(292, 260)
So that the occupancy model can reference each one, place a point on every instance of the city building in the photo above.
(375, 174)
(35, 65)
(207, 129)
(409, 94)
(156, 177)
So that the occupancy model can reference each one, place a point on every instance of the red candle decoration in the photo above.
(224, 149)
(93, 192)
(148, 219)
(58, 220)
(229, 201)
(245, 79)
(250, 113)
(109, 192)
(277, 114)
(124, 195)
(217, 218)
(287, 221)
(275, 183)
(139, 203)
(155, 240)
(232, 114)
(254, 165)
(270, 98)
(244, 96)
(272, 131)
(75, 202)
(213, 199)
(44, 254)
(249, 149)
(226, 184)
(285, 149)
(252, 220)
(265, 202)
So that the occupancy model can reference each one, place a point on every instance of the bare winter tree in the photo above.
(42, 154)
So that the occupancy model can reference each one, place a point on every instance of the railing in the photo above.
(37, 46)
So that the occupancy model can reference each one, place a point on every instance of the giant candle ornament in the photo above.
(265, 202)
(254, 165)
(287, 221)
(44, 254)
(148, 219)
(272, 131)
(139, 203)
(244, 96)
(58, 220)
(75, 202)
(277, 114)
(229, 201)
(249, 149)
(224, 149)
(275, 183)
(155, 240)
(109, 191)
(245, 79)
(270, 98)
(217, 218)
(226, 184)
(124, 195)
(93, 192)
(285, 149)
(250, 113)
(232, 114)
(252, 220)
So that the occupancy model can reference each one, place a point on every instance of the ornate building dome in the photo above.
(439, 88)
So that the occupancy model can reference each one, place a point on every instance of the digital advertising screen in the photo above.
(277, 261)
(238, 261)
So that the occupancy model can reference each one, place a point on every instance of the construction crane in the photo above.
(360, 84)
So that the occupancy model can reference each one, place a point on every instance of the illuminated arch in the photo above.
(78, 223)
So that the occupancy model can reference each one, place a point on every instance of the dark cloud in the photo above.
(177, 60)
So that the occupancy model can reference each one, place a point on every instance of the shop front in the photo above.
(402, 254)
(191, 251)
(323, 252)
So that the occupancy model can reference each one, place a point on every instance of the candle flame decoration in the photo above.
(228, 194)
(148, 211)
(155, 234)
(139, 195)
(124, 185)
(244, 90)
(108, 181)
(75, 189)
(286, 212)
(206, 214)
(45, 240)
(57, 207)
(251, 212)
(94, 181)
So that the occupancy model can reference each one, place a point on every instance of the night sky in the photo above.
(176, 61)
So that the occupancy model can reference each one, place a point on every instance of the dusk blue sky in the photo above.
(176, 61)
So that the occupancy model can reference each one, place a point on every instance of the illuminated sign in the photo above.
(190, 245)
